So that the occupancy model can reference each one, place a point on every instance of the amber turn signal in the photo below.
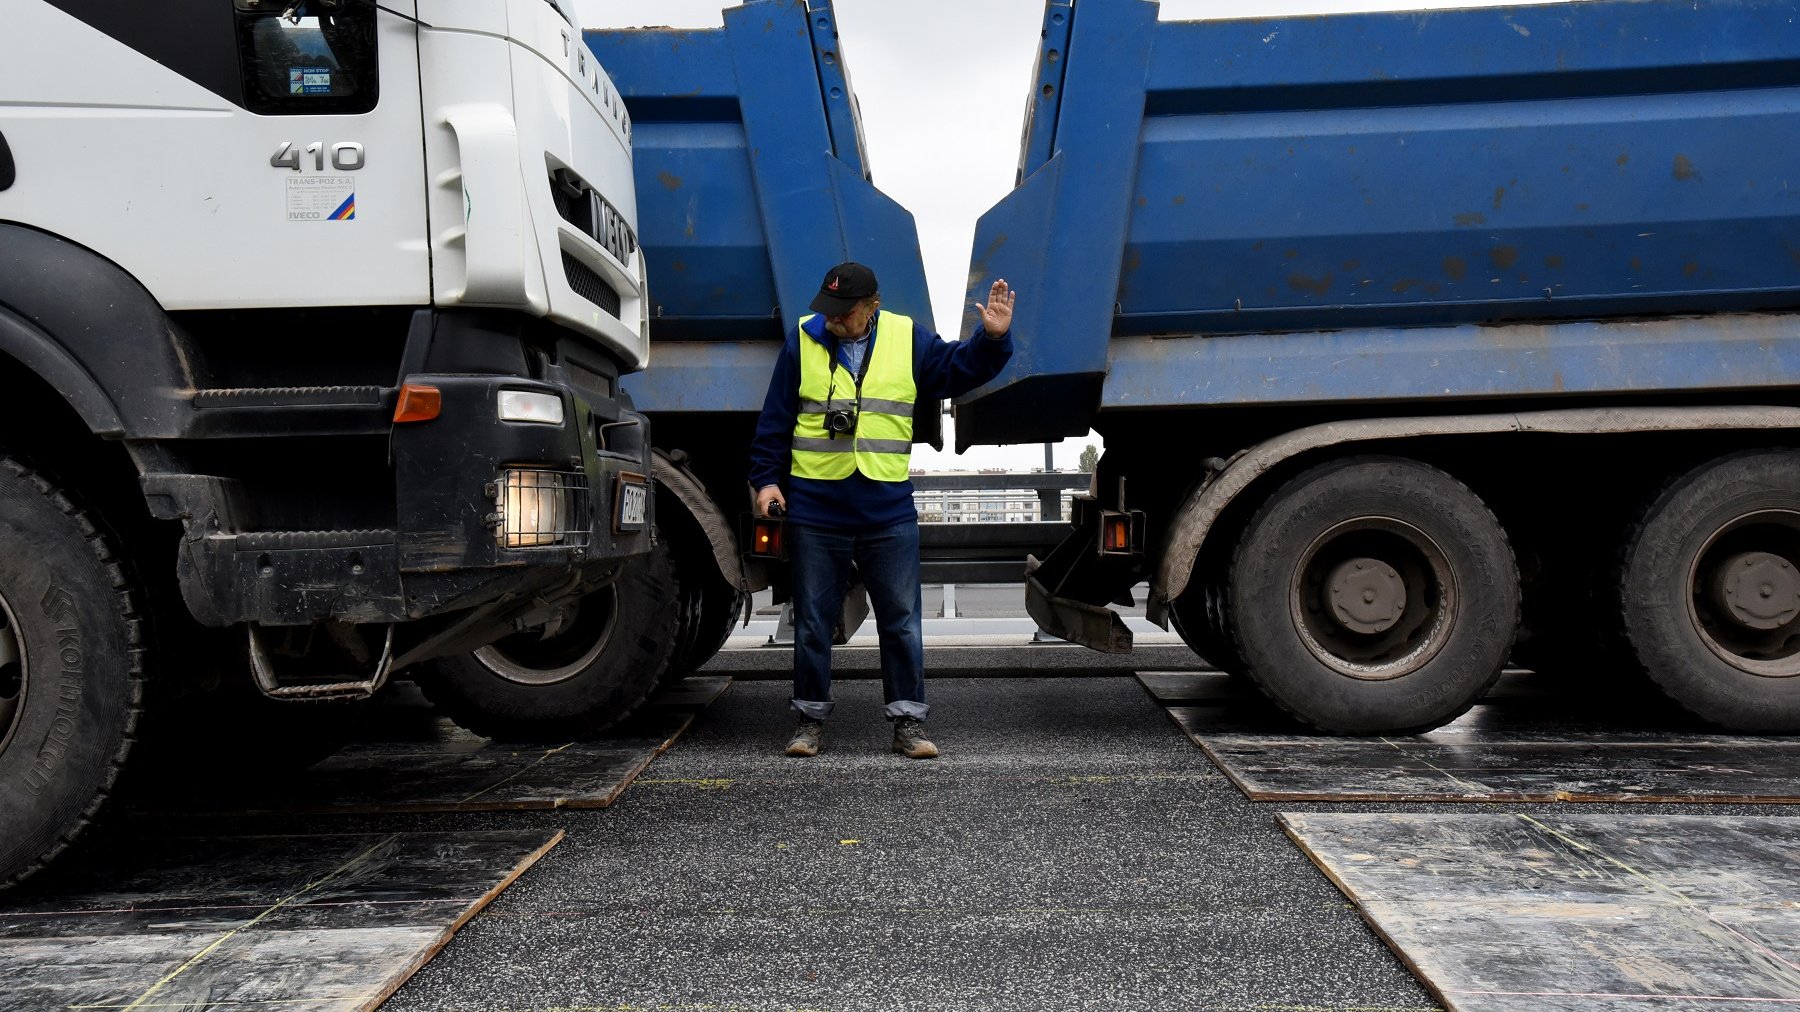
(418, 404)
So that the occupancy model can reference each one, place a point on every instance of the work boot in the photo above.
(807, 738)
(910, 740)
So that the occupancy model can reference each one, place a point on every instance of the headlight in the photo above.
(530, 406)
(537, 509)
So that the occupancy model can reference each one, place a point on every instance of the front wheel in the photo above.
(1374, 595)
(71, 674)
(1710, 591)
(594, 668)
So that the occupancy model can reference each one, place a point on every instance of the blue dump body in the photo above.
(1578, 199)
(752, 182)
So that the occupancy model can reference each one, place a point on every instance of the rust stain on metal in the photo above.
(669, 180)
(1553, 262)
(1178, 200)
(678, 266)
(1404, 285)
(1313, 286)
(1292, 254)
(1471, 218)
(1350, 265)
(1622, 159)
(1636, 264)
(1690, 269)
(1455, 269)
(1134, 259)
(1143, 201)
(1684, 170)
(1503, 257)
(1499, 196)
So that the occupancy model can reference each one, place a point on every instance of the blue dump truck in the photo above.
(752, 182)
(1420, 341)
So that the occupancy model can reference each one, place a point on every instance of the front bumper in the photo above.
(447, 547)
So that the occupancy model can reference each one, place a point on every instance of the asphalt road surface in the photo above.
(1071, 850)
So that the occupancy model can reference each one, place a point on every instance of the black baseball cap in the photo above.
(844, 286)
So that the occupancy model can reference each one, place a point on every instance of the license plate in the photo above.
(634, 500)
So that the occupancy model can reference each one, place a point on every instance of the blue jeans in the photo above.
(888, 560)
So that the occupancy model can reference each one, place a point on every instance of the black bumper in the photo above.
(447, 548)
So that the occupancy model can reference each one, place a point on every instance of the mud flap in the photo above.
(1092, 626)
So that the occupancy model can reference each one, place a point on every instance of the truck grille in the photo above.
(582, 206)
(590, 285)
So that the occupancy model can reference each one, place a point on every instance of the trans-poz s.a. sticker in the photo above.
(321, 198)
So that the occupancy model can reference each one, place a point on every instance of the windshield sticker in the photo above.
(309, 80)
(321, 198)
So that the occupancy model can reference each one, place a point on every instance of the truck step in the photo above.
(279, 541)
(252, 412)
(284, 397)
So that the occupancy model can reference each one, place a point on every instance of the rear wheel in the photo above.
(1710, 591)
(592, 670)
(71, 675)
(1374, 595)
(707, 608)
(1200, 620)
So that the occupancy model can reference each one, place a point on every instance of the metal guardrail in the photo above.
(993, 552)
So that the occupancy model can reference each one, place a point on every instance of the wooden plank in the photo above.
(1494, 754)
(1191, 688)
(1199, 688)
(414, 761)
(1509, 913)
(695, 692)
(330, 923)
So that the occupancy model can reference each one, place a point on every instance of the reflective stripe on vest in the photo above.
(881, 445)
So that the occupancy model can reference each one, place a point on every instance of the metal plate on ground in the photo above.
(332, 923)
(1509, 913)
(1497, 752)
(419, 762)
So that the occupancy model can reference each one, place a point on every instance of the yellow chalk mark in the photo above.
(144, 999)
(848, 843)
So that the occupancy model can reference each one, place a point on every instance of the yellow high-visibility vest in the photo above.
(881, 445)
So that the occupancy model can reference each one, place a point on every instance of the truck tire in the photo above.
(707, 606)
(1710, 591)
(1200, 621)
(1374, 595)
(576, 683)
(71, 671)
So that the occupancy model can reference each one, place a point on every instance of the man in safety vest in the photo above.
(833, 449)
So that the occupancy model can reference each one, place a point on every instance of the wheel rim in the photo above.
(12, 676)
(1373, 598)
(532, 658)
(1744, 593)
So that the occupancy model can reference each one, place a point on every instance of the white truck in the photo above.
(312, 316)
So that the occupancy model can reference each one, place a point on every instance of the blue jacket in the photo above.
(859, 503)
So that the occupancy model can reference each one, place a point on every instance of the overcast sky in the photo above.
(942, 87)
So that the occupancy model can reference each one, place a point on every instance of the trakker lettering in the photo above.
(59, 606)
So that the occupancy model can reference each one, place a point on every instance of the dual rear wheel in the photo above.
(1379, 595)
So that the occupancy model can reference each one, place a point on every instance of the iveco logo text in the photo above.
(613, 233)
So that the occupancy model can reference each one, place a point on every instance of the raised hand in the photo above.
(996, 316)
